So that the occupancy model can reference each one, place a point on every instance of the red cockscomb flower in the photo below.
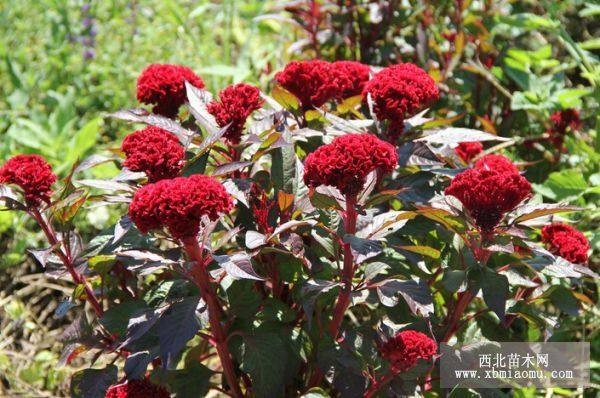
(163, 86)
(33, 174)
(489, 194)
(468, 150)
(399, 92)
(346, 162)
(137, 389)
(352, 78)
(561, 121)
(496, 163)
(155, 151)
(406, 348)
(236, 103)
(566, 242)
(312, 82)
(179, 204)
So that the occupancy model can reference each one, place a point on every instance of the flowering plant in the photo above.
(323, 239)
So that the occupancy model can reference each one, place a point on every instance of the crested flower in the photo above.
(163, 85)
(155, 151)
(406, 348)
(567, 242)
(399, 92)
(496, 163)
(32, 174)
(137, 389)
(560, 122)
(489, 194)
(312, 82)
(235, 104)
(352, 78)
(179, 204)
(347, 161)
(468, 150)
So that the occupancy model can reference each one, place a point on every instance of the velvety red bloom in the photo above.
(346, 162)
(489, 194)
(406, 348)
(399, 92)
(155, 151)
(33, 174)
(566, 242)
(163, 85)
(312, 82)
(468, 150)
(561, 121)
(137, 389)
(236, 103)
(352, 78)
(179, 204)
(496, 163)
(566, 118)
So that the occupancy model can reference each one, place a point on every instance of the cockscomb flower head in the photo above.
(235, 104)
(347, 161)
(312, 82)
(163, 85)
(561, 121)
(406, 348)
(399, 92)
(468, 150)
(567, 242)
(32, 174)
(137, 389)
(498, 163)
(154, 151)
(352, 77)
(488, 195)
(179, 204)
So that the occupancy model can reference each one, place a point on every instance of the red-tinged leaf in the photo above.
(531, 211)
(75, 353)
(422, 250)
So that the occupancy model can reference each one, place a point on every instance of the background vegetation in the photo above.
(503, 66)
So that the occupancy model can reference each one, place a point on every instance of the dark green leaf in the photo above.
(93, 383)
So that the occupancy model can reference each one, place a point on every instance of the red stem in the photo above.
(379, 384)
(67, 260)
(343, 300)
(202, 279)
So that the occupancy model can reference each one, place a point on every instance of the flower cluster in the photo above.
(489, 191)
(566, 242)
(155, 151)
(561, 121)
(406, 348)
(235, 104)
(497, 163)
(398, 92)
(179, 204)
(312, 82)
(468, 150)
(137, 389)
(163, 85)
(33, 174)
(316, 82)
(346, 162)
(352, 77)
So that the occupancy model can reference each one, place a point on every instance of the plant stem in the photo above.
(379, 384)
(208, 294)
(343, 300)
(66, 260)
